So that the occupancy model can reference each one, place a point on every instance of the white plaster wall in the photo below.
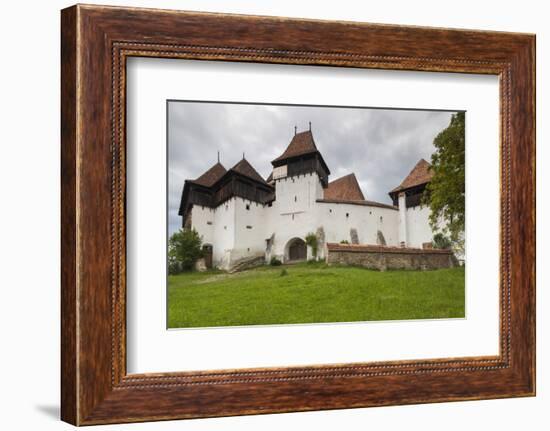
(403, 239)
(366, 219)
(224, 232)
(249, 241)
(293, 214)
(200, 217)
(298, 193)
(418, 226)
(294, 218)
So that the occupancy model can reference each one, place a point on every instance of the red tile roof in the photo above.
(212, 175)
(302, 143)
(246, 169)
(420, 174)
(344, 188)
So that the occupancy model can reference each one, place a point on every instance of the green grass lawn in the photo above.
(312, 293)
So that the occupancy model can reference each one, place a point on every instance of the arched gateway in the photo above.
(295, 250)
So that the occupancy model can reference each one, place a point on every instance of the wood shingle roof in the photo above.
(420, 174)
(209, 178)
(344, 188)
(243, 167)
(302, 143)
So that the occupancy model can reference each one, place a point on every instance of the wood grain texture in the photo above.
(96, 41)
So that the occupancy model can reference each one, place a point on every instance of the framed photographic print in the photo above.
(268, 215)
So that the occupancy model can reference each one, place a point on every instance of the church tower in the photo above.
(300, 174)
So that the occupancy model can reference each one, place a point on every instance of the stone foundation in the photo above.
(383, 258)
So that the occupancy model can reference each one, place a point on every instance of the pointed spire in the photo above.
(295, 130)
(310, 126)
(243, 155)
(218, 157)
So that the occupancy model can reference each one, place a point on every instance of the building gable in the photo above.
(344, 188)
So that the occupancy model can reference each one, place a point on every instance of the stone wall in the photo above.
(383, 258)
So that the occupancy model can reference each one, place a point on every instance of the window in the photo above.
(225, 227)
(249, 227)
(381, 219)
(292, 216)
(209, 223)
(330, 210)
(248, 207)
(347, 215)
(295, 198)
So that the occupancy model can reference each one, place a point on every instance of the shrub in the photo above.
(174, 268)
(275, 262)
(441, 241)
(344, 241)
(284, 273)
(311, 240)
(184, 249)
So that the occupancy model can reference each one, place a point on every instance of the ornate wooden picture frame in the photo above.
(96, 42)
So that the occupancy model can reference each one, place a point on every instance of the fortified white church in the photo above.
(242, 216)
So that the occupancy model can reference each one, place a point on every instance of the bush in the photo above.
(174, 268)
(275, 262)
(311, 240)
(184, 249)
(284, 272)
(344, 241)
(441, 241)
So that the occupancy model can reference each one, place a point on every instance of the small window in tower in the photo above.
(295, 198)
(381, 219)
(330, 210)
(347, 215)
(292, 216)
(249, 227)
(248, 249)
(209, 223)
(225, 227)
(248, 207)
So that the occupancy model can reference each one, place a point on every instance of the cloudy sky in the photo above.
(380, 146)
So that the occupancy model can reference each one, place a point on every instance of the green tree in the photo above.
(445, 194)
(184, 248)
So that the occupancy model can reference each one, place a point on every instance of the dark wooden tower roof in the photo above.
(243, 167)
(301, 156)
(302, 143)
(209, 178)
(217, 185)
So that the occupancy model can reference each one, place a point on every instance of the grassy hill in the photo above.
(312, 293)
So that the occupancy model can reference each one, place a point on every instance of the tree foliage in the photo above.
(446, 191)
(441, 241)
(184, 249)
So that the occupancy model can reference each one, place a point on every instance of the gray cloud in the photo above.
(380, 146)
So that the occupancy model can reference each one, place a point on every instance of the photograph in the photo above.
(299, 214)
